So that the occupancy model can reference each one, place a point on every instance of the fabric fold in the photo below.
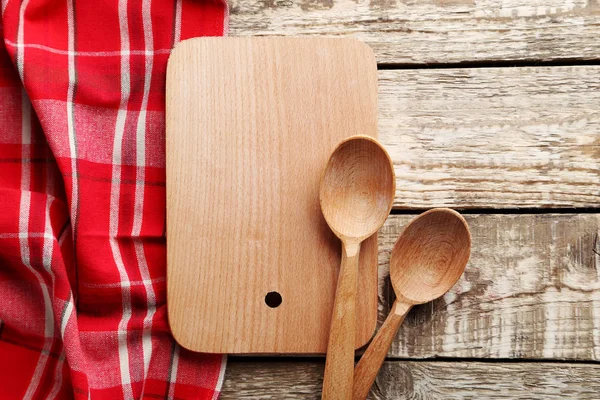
(82, 200)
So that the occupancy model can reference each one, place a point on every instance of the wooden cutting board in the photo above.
(251, 123)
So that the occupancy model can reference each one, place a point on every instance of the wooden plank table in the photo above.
(491, 107)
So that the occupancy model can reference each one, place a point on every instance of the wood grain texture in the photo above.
(250, 126)
(301, 379)
(372, 359)
(493, 137)
(356, 196)
(531, 290)
(426, 261)
(435, 31)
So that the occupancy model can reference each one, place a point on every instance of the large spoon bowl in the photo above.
(357, 189)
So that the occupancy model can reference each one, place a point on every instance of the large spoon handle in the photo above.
(339, 365)
(370, 362)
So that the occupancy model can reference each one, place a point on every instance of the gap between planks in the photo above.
(490, 64)
(286, 358)
(502, 211)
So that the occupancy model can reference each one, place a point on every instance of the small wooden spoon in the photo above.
(427, 260)
(356, 195)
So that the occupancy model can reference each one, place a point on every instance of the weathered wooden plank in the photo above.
(435, 31)
(493, 137)
(531, 290)
(302, 379)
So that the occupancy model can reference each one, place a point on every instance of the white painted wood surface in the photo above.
(493, 137)
(485, 138)
(531, 290)
(435, 31)
(426, 380)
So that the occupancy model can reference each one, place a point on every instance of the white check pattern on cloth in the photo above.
(82, 202)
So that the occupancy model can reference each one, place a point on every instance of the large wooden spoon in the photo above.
(427, 260)
(356, 195)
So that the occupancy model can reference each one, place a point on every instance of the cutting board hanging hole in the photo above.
(273, 299)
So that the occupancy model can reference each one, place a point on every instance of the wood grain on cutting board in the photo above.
(250, 126)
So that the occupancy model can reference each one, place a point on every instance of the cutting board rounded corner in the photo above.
(181, 47)
(368, 50)
(175, 326)
(177, 52)
(180, 341)
(178, 331)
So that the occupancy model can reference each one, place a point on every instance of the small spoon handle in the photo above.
(339, 365)
(370, 362)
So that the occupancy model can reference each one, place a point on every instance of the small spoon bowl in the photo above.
(427, 260)
(430, 256)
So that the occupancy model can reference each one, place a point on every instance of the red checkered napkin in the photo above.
(82, 200)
